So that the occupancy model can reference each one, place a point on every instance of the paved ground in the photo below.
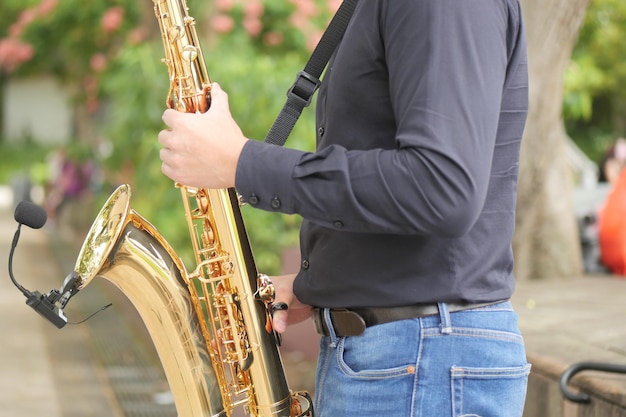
(107, 367)
(40, 364)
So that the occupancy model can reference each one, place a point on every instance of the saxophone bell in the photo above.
(126, 250)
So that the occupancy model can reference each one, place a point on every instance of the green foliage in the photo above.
(9, 12)
(255, 60)
(256, 86)
(71, 34)
(24, 158)
(254, 53)
(253, 48)
(256, 78)
(595, 100)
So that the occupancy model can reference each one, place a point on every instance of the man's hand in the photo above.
(296, 311)
(202, 149)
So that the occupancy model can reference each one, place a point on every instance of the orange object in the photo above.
(612, 233)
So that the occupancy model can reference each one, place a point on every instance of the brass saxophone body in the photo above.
(210, 326)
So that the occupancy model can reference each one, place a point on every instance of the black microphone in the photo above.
(35, 217)
(50, 305)
(30, 214)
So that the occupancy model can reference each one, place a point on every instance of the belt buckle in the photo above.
(318, 322)
(345, 322)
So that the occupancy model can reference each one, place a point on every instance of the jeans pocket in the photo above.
(369, 379)
(489, 392)
(364, 363)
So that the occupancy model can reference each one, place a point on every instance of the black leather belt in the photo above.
(353, 322)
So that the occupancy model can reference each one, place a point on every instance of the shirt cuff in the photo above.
(264, 175)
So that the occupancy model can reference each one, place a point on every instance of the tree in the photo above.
(546, 243)
(595, 100)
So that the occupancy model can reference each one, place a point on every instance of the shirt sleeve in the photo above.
(446, 63)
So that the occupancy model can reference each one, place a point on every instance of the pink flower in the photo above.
(14, 52)
(254, 8)
(224, 5)
(112, 19)
(333, 5)
(46, 6)
(27, 16)
(222, 23)
(136, 36)
(98, 62)
(313, 39)
(273, 38)
(305, 7)
(298, 20)
(252, 25)
(16, 29)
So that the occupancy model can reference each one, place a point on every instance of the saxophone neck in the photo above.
(190, 86)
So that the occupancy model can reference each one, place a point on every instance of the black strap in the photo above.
(308, 80)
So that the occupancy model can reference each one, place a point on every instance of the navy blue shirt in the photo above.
(410, 196)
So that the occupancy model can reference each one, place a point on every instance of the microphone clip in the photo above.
(51, 305)
(44, 305)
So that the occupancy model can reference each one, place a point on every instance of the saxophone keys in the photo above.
(175, 32)
(190, 53)
(265, 289)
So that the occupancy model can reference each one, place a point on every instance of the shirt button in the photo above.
(305, 264)
(321, 131)
(254, 200)
(275, 202)
(338, 223)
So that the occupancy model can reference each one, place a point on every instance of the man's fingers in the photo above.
(219, 98)
(219, 101)
(279, 320)
(279, 315)
(170, 117)
(164, 137)
(216, 90)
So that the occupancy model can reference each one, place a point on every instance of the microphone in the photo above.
(30, 214)
(49, 305)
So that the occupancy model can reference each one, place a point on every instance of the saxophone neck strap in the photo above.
(308, 81)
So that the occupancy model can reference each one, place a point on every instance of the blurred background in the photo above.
(85, 83)
(82, 90)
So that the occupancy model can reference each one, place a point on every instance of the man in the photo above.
(408, 207)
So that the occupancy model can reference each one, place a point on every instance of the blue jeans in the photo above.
(469, 363)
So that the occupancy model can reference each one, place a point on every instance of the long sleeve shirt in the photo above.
(410, 195)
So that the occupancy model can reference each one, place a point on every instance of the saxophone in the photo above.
(210, 326)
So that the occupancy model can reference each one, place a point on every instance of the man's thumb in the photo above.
(219, 98)
(279, 321)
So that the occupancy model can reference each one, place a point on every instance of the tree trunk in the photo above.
(546, 242)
